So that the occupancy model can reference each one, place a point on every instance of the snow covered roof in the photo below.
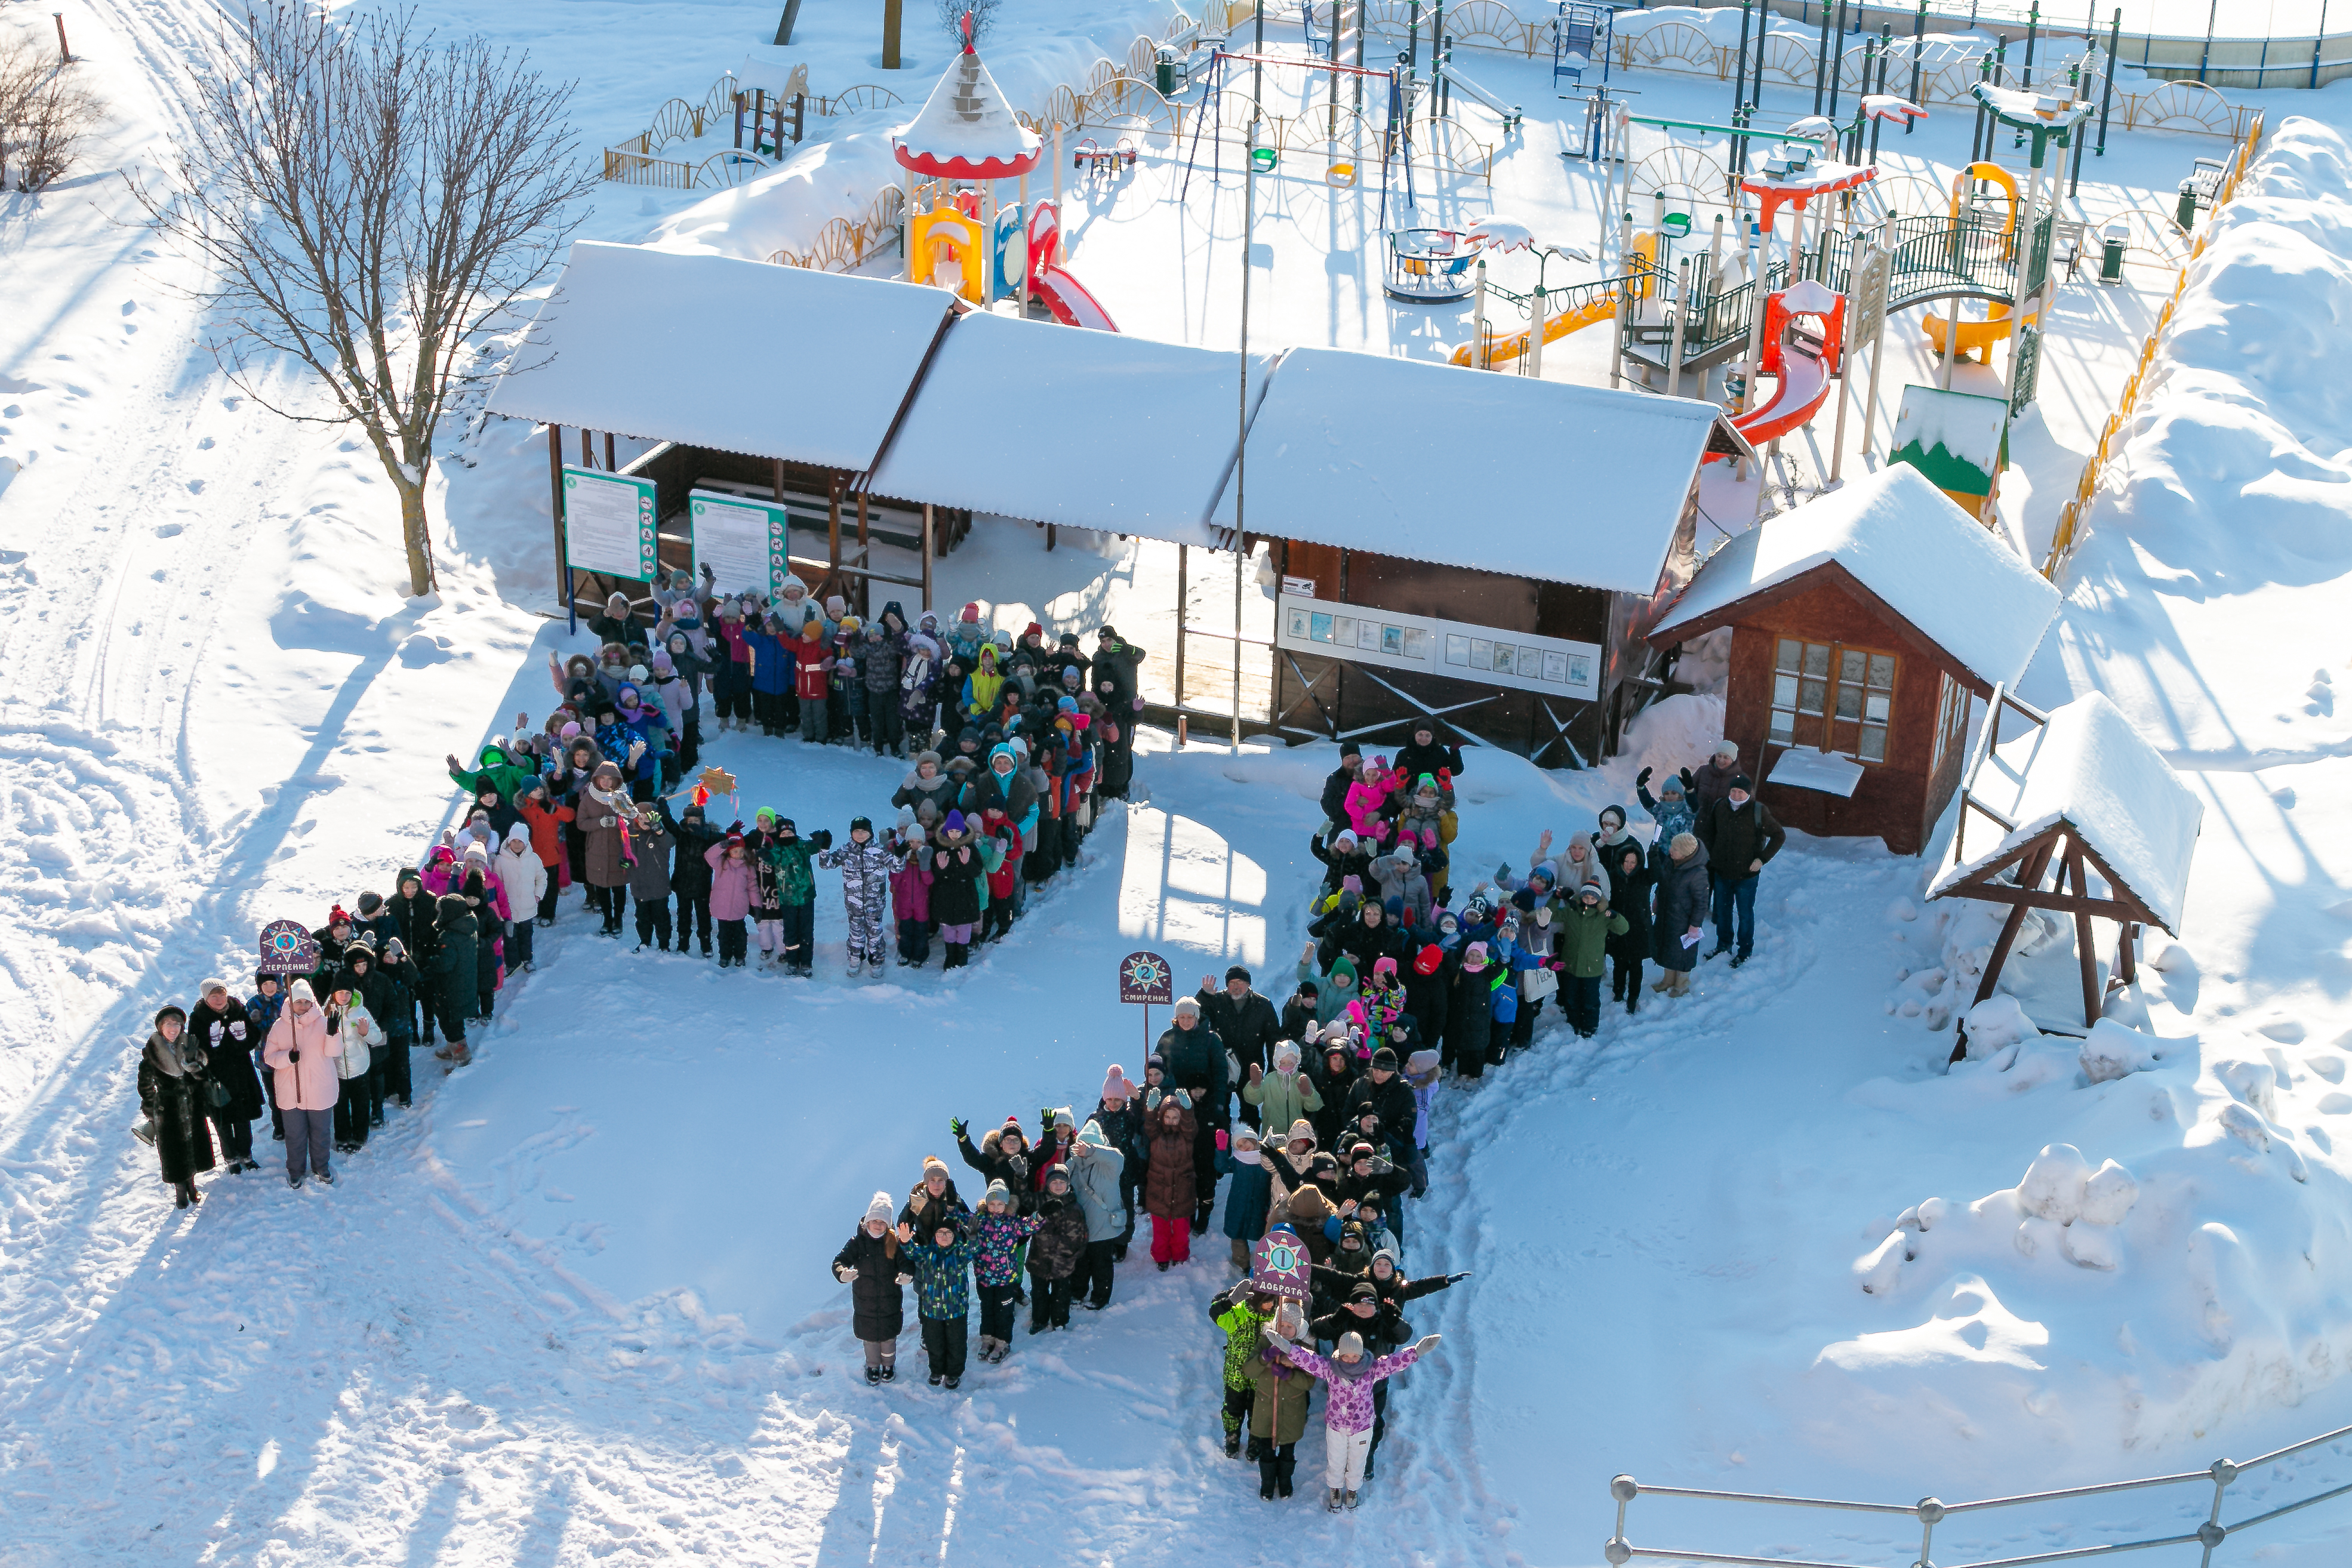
(1375, 453)
(691, 348)
(2090, 768)
(966, 131)
(1053, 424)
(1905, 543)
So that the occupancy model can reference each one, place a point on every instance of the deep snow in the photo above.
(573, 1307)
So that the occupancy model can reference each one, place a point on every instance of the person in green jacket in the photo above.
(792, 856)
(1582, 950)
(1241, 1311)
(1285, 1094)
(496, 770)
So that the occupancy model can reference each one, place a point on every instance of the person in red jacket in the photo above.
(545, 818)
(814, 655)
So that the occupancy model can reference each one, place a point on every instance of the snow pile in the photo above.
(2163, 1266)
(2227, 514)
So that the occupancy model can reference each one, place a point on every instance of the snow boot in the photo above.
(955, 1381)
(295, 1181)
(1739, 958)
(1284, 1470)
(1267, 1470)
(1233, 1442)
(937, 1377)
(1353, 1498)
(1717, 951)
(891, 1371)
(179, 1195)
(1664, 982)
(873, 1374)
(1332, 1504)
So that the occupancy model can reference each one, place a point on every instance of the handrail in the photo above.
(1932, 1511)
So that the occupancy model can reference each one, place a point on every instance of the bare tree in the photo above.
(45, 113)
(372, 202)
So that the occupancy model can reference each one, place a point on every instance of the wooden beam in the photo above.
(2058, 902)
(931, 529)
(2083, 947)
(2030, 880)
(611, 464)
(2127, 964)
(833, 533)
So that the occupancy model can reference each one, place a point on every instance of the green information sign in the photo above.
(609, 524)
(741, 540)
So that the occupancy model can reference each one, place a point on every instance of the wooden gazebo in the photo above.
(2083, 799)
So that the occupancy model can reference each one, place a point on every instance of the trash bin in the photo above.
(2112, 241)
(2185, 214)
(1165, 73)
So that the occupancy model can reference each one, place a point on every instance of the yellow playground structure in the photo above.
(1999, 323)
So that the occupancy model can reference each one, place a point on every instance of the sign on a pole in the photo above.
(288, 949)
(608, 523)
(742, 540)
(1146, 977)
(1282, 1267)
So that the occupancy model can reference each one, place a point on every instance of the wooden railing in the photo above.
(2112, 434)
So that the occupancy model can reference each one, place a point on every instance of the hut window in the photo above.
(1834, 697)
(1952, 718)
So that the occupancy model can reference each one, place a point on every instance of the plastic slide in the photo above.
(1555, 327)
(1802, 366)
(1999, 323)
(1069, 300)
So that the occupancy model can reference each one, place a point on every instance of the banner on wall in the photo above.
(608, 523)
(1430, 645)
(741, 540)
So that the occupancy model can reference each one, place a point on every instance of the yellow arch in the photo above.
(1997, 325)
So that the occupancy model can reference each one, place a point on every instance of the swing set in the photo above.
(1343, 167)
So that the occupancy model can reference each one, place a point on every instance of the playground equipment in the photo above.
(1436, 267)
(1580, 37)
(1999, 323)
(1063, 295)
(964, 132)
(1800, 359)
(1103, 164)
(1342, 170)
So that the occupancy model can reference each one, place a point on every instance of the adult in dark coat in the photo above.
(1194, 1060)
(174, 1092)
(456, 929)
(1383, 1091)
(1741, 836)
(1630, 885)
(413, 909)
(1470, 1013)
(1427, 974)
(1681, 911)
(1248, 1023)
(221, 1029)
(955, 872)
(1368, 938)
(1712, 781)
(1423, 754)
(869, 1263)
(1335, 788)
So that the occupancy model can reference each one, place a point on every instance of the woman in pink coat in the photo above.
(734, 884)
(302, 1049)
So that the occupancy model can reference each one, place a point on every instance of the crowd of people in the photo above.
(1013, 744)
(1315, 1110)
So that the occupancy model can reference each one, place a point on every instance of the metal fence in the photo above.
(1930, 1513)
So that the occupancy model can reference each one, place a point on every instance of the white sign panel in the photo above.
(1433, 646)
(608, 523)
(741, 541)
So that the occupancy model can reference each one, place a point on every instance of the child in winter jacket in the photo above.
(1247, 1200)
(651, 841)
(1169, 1187)
(788, 857)
(733, 885)
(997, 1233)
(1586, 930)
(910, 895)
(1055, 1251)
(871, 1265)
(1348, 1377)
(1368, 800)
(943, 1264)
(1670, 809)
(814, 660)
(865, 867)
(1242, 1312)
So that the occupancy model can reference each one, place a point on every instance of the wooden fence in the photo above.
(2112, 434)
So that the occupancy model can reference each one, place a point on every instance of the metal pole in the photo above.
(1877, 356)
(1821, 58)
(2033, 27)
(1739, 78)
(555, 503)
(1478, 352)
(1241, 543)
(1240, 418)
(1533, 359)
(1918, 60)
(1837, 59)
(1183, 566)
(2107, 87)
(1682, 316)
(2212, 14)
(930, 533)
(2315, 46)
(2027, 224)
(1845, 376)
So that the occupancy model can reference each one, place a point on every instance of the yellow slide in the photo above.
(1555, 327)
(1997, 324)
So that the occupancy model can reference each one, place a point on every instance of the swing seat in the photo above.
(1264, 159)
(1340, 176)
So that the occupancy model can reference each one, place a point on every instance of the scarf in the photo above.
(172, 1057)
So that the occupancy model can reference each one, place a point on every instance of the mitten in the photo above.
(236, 1030)
(1222, 1138)
(293, 1057)
(844, 1272)
(1690, 783)
(1642, 779)
(905, 1279)
(822, 838)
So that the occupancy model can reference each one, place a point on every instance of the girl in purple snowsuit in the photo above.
(1348, 1378)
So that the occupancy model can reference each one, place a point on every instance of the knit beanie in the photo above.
(880, 1208)
(998, 1193)
(1116, 1085)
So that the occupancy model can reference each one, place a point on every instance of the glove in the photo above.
(957, 1124)
(1046, 1123)
(844, 1272)
(236, 1030)
(905, 1279)
(293, 1057)
(1457, 1279)
(1642, 779)
(1222, 1139)
(1426, 1343)
(822, 838)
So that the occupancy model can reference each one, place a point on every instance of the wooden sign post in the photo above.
(1146, 977)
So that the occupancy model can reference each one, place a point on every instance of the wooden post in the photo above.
(930, 532)
(739, 122)
(2029, 876)
(555, 505)
(611, 466)
(800, 112)
(2126, 966)
(2083, 933)
(587, 454)
(891, 10)
(778, 485)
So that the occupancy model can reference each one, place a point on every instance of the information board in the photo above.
(608, 523)
(1488, 655)
(740, 539)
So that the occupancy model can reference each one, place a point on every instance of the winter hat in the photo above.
(337, 917)
(1352, 883)
(1115, 1085)
(1476, 958)
(1364, 1290)
(518, 834)
(1359, 1151)
(998, 1193)
(301, 991)
(955, 824)
(914, 833)
(1742, 783)
(1063, 1118)
(370, 903)
(865, 823)
(933, 1163)
(1346, 838)
(1683, 846)
(1066, 703)
(1344, 967)
(1057, 1172)
(1301, 1131)
(1420, 1062)
(1673, 787)
(1245, 1134)
(1383, 966)
(1384, 1060)
(1286, 1057)
(880, 1208)
(663, 664)
(1725, 751)
(1426, 961)
(1188, 1007)
(1155, 1063)
(475, 851)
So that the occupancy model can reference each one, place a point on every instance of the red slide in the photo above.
(1065, 296)
(1801, 366)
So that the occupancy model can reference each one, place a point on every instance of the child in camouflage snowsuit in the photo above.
(865, 867)
(942, 1265)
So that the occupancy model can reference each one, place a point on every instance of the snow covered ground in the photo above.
(573, 1307)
